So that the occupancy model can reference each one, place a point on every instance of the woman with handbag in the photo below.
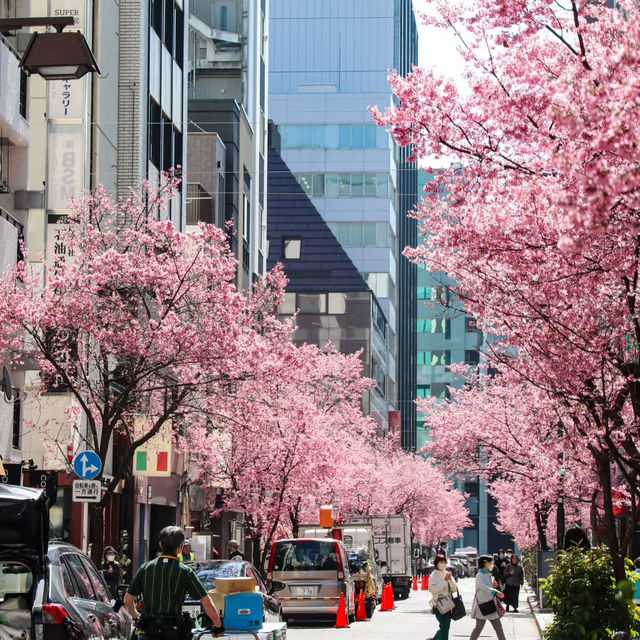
(485, 606)
(441, 586)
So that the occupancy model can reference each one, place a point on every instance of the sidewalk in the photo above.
(517, 626)
(543, 618)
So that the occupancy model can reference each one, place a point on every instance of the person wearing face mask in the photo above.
(111, 570)
(441, 582)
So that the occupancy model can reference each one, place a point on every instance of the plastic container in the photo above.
(243, 611)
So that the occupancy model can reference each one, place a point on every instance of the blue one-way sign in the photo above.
(87, 465)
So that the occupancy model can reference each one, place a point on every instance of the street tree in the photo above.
(137, 324)
(537, 223)
(280, 441)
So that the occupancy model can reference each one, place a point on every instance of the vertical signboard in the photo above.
(67, 114)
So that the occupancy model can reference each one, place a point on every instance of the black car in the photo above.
(209, 570)
(50, 590)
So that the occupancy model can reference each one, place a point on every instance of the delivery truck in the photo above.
(392, 543)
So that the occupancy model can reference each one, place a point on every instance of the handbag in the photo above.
(487, 608)
(458, 610)
(444, 602)
(500, 608)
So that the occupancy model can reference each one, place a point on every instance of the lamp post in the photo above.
(560, 515)
(54, 56)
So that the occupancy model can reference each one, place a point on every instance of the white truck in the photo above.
(392, 541)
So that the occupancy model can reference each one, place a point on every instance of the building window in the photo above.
(470, 325)
(381, 284)
(17, 419)
(423, 391)
(438, 294)
(155, 133)
(434, 325)
(472, 357)
(378, 374)
(434, 358)
(291, 248)
(288, 304)
(337, 303)
(334, 136)
(312, 302)
(345, 185)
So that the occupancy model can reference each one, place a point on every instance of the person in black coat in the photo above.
(514, 579)
(111, 570)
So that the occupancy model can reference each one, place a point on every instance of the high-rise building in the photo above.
(329, 63)
(446, 335)
(228, 57)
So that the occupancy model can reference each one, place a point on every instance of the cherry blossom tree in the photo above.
(538, 222)
(142, 322)
(279, 440)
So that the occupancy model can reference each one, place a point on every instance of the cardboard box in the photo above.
(235, 585)
(218, 600)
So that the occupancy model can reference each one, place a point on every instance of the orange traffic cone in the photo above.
(415, 583)
(341, 620)
(386, 601)
(361, 613)
(423, 587)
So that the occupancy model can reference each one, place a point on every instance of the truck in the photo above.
(359, 544)
(392, 543)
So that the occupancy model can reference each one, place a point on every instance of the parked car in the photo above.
(209, 570)
(50, 590)
(309, 575)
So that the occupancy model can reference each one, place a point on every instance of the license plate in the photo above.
(192, 610)
(305, 591)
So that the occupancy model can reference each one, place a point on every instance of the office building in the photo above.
(333, 301)
(329, 62)
(228, 58)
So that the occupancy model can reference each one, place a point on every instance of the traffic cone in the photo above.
(386, 601)
(415, 583)
(391, 596)
(341, 620)
(424, 587)
(361, 613)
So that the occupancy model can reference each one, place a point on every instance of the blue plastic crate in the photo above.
(243, 611)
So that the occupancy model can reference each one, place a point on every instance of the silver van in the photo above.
(309, 574)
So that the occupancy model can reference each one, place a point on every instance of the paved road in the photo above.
(413, 620)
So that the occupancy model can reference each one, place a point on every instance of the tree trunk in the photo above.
(604, 474)
(256, 555)
(96, 532)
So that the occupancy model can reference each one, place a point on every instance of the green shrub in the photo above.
(584, 598)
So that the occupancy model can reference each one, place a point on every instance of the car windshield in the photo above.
(305, 555)
(15, 579)
(208, 572)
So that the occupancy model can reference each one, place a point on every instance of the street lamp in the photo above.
(54, 56)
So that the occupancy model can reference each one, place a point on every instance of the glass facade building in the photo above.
(329, 62)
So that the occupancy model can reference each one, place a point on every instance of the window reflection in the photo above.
(344, 136)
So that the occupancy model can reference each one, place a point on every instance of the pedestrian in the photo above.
(441, 582)
(486, 592)
(234, 552)
(513, 580)
(419, 566)
(186, 555)
(111, 570)
(163, 584)
(499, 565)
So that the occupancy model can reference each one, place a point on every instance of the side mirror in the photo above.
(273, 586)
(383, 564)
(121, 590)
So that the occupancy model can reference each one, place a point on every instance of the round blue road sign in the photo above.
(87, 465)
